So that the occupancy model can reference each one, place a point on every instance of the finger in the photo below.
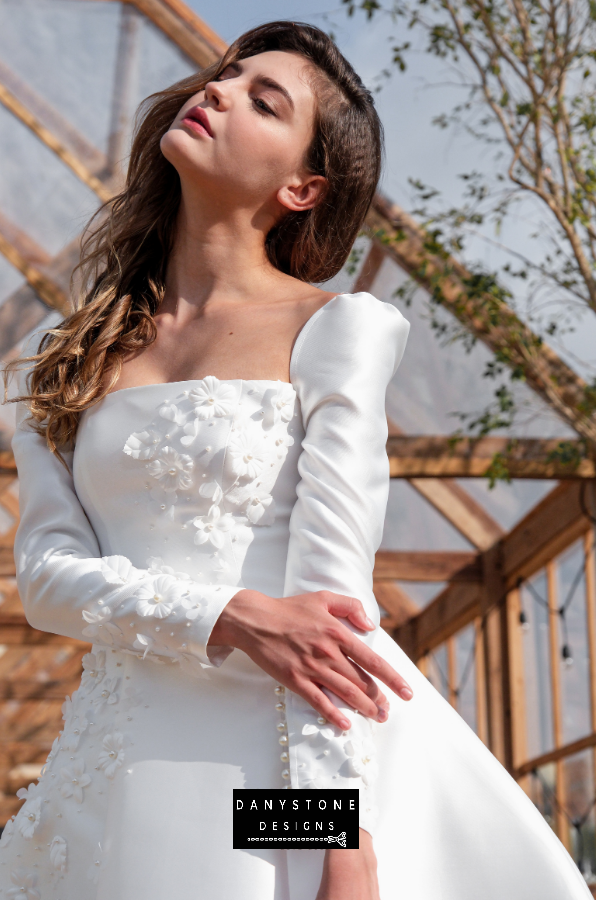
(348, 608)
(323, 705)
(378, 707)
(351, 695)
(378, 668)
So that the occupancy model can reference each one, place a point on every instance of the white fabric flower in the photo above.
(111, 756)
(278, 405)
(107, 696)
(143, 444)
(74, 780)
(28, 818)
(144, 642)
(72, 735)
(282, 442)
(7, 833)
(213, 527)
(212, 398)
(260, 508)
(100, 628)
(195, 606)
(159, 598)
(320, 726)
(24, 885)
(94, 669)
(211, 491)
(191, 432)
(99, 862)
(248, 450)
(163, 503)
(119, 570)
(362, 759)
(58, 853)
(28, 793)
(171, 413)
(171, 469)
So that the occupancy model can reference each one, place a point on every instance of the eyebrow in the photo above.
(267, 82)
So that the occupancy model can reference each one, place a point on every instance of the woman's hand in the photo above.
(300, 642)
(350, 874)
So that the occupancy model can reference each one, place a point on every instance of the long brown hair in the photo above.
(126, 246)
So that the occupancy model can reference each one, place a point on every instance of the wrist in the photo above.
(236, 622)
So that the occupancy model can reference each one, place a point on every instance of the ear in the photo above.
(303, 194)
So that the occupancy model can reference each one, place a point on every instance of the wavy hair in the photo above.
(126, 245)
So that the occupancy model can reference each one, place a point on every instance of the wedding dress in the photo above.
(181, 494)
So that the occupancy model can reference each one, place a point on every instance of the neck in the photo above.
(218, 256)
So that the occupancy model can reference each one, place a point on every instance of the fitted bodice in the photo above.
(199, 475)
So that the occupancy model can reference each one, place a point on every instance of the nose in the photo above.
(215, 95)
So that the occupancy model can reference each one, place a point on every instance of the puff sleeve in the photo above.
(67, 587)
(342, 364)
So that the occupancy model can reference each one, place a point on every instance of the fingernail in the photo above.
(382, 715)
(406, 693)
(345, 723)
(369, 622)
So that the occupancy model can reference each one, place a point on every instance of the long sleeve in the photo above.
(342, 364)
(66, 587)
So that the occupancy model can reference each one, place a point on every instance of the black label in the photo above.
(296, 819)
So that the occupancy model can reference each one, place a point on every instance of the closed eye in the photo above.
(261, 105)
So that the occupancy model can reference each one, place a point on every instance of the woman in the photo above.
(201, 448)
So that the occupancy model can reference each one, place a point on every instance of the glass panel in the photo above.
(465, 680)
(575, 672)
(542, 791)
(413, 524)
(578, 802)
(437, 670)
(537, 667)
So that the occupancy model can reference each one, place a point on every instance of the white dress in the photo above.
(181, 494)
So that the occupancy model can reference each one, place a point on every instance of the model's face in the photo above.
(246, 134)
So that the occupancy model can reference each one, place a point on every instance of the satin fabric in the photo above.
(180, 494)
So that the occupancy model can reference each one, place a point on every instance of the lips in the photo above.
(198, 120)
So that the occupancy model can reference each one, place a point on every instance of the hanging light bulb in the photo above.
(523, 621)
(567, 655)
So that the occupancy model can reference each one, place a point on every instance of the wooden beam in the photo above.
(25, 245)
(127, 61)
(47, 137)
(14, 629)
(417, 565)
(21, 689)
(49, 292)
(554, 755)
(454, 503)
(90, 157)
(398, 605)
(370, 268)
(444, 277)
(454, 608)
(197, 41)
(438, 456)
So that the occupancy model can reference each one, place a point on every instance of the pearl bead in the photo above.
(280, 706)
(281, 726)
(322, 720)
(285, 756)
(280, 689)
(283, 740)
(286, 774)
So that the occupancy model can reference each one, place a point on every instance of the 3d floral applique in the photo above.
(99, 626)
(320, 727)
(94, 669)
(212, 398)
(159, 598)
(111, 755)
(171, 413)
(73, 733)
(28, 793)
(361, 755)
(278, 405)
(23, 885)
(58, 853)
(143, 642)
(143, 444)
(195, 606)
(119, 570)
(211, 490)
(248, 450)
(74, 780)
(107, 696)
(171, 469)
(7, 833)
(28, 818)
(213, 526)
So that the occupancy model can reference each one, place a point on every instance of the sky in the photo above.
(415, 149)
